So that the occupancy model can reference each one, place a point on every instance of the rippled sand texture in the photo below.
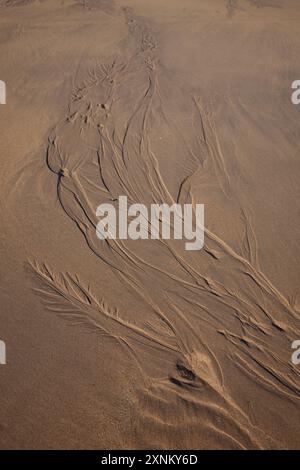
(188, 104)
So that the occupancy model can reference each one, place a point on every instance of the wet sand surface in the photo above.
(140, 343)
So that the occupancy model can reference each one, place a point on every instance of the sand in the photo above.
(125, 344)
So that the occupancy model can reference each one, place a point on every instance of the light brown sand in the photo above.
(142, 344)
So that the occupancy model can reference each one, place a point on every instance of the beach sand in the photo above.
(136, 344)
